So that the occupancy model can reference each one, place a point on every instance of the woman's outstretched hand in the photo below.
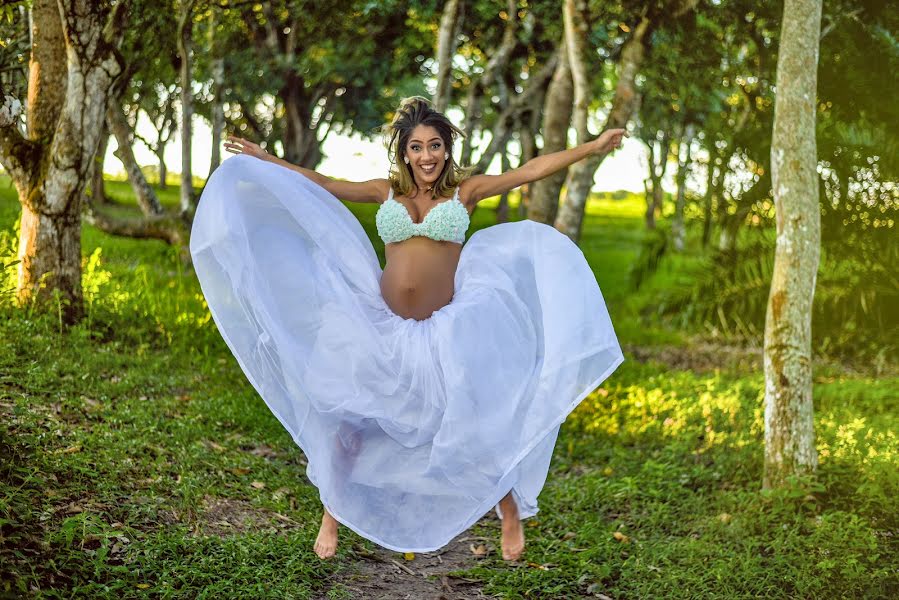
(610, 140)
(238, 145)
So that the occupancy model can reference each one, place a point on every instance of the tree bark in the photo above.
(658, 164)
(529, 122)
(146, 197)
(170, 228)
(510, 114)
(624, 104)
(157, 224)
(499, 60)
(446, 48)
(218, 84)
(714, 189)
(51, 167)
(731, 223)
(98, 186)
(502, 209)
(708, 201)
(47, 72)
(678, 229)
(789, 413)
(556, 117)
(163, 169)
(185, 49)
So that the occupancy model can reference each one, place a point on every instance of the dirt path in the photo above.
(385, 574)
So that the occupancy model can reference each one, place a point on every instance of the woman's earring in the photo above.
(406, 159)
(446, 156)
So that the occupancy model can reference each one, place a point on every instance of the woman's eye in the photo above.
(435, 146)
(416, 148)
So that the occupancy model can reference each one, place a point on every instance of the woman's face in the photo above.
(425, 151)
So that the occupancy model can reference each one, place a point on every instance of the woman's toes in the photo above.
(325, 548)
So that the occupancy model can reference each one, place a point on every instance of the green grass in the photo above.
(131, 441)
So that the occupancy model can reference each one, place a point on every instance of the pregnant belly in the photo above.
(418, 277)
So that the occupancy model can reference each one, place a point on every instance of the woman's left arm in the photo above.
(475, 189)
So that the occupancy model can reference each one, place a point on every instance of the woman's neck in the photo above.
(426, 190)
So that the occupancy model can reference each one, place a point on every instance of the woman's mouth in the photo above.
(428, 169)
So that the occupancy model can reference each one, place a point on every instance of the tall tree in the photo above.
(678, 227)
(292, 79)
(74, 62)
(147, 84)
(626, 100)
(495, 68)
(789, 415)
(446, 48)
(185, 50)
(218, 83)
(544, 200)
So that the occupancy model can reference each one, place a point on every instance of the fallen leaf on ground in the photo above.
(479, 550)
(258, 485)
(621, 537)
(409, 555)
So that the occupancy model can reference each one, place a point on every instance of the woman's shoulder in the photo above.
(384, 187)
(465, 187)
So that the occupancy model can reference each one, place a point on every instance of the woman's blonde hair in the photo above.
(411, 113)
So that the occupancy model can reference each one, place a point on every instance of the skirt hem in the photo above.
(484, 507)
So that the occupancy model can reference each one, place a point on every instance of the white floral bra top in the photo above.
(446, 221)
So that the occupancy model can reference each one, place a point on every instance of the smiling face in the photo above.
(426, 152)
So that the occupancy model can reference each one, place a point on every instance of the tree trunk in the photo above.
(97, 194)
(499, 60)
(146, 197)
(789, 413)
(678, 229)
(71, 74)
(472, 116)
(163, 170)
(301, 144)
(502, 209)
(512, 109)
(446, 48)
(710, 193)
(170, 228)
(624, 104)
(527, 139)
(218, 84)
(556, 117)
(47, 72)
(658, 164)
(185, 49)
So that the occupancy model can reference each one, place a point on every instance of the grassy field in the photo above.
(138, 462)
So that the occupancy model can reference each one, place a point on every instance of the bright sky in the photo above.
(357, 159)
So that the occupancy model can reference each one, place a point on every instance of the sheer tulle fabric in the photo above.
(412, 429)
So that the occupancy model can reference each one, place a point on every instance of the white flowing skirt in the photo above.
(413, 430)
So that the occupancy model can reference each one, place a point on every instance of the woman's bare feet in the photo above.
(326, 542)
(513, 532)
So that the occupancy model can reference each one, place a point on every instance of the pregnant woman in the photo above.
(430, 392)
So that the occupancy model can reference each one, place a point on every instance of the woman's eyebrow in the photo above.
(430, 140)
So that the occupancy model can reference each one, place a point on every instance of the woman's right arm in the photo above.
(373, 190)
